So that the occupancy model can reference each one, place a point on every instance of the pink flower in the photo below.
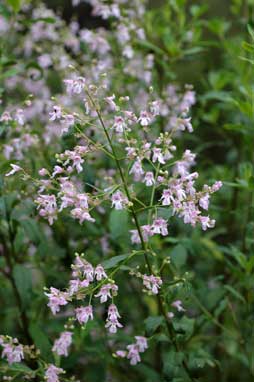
(112, 320)
(217, 185)
(105, 290)
(67, 121)
(206, 222)
(113, 312)
(133, 354)
(167, 197)
(81, 215)
(141, 343)
(178, 305)
(61, 346)
(160, 226)
(5, 117)
(149, 179)
(82, 201)
(84, 313)
(15, 168)
(158, 156)
(170, 315)
(145, 118)
(47, 207)
(57, 170)
(119, 125)
(43, 172)
(99, 272)
(110, 101)
(135, 239)
(88, 271)
(44, 61)
(56, 299)
(74, 286)
(182, 166)
(146, 233)
(190, 213)
(112, 324)
(12, 352)
(128, 52)
(155, 107)
(19, 117)
(56, 113)
(185, 123)
(121, 353)
(137, 170)
(152, 283)
(119, 201)
(75, 86)
(204, 201)
(52, 373)
(133, 350)
(131, 117)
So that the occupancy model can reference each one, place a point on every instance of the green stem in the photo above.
(161, 304)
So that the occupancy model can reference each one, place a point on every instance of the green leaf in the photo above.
(150, 46)
(251, 31)
(118, 224)
(248, 47)
(19, 239)
(172, 364)
(34, 65)
(179, 255)
(185, 326)
(15, 4)
(194, 50)
(110, 263)
(251, 183)
(4, 11)
(153, 323)
(17, 368)
(23, 280)
(32, 230)
(41, 341)
(48, 20)
(235, 293)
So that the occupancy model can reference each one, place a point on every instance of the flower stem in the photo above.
(160, 301)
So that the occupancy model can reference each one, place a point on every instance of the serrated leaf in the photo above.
(153, 323)
(185, 325)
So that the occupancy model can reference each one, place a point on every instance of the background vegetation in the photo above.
(209, 45)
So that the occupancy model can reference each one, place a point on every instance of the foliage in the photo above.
(103, 205)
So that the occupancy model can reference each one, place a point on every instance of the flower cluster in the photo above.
(52, 373)
(177, 304)
(112, 320)
(12, 350)
(152, 283)
(82, 283)
(133, 350)
(61, 346)
(125, 130)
